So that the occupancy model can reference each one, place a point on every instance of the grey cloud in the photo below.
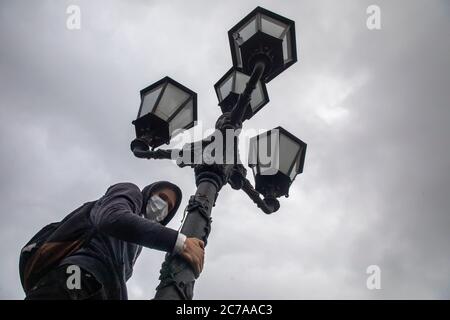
(372, 106)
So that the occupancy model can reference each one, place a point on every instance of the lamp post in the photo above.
(262, 46)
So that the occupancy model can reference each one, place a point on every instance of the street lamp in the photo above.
(276, 157)
(262, 46)
(263, 35)
(166, 106)
(232, 84)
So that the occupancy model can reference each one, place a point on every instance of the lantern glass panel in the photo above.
(268, 154)
(247, 31)
(241, 81)
(252, 155)
(264, 153)
(287, 48)
(289, 149)
(226, 88)
(183, 119)
(172, 98)
(257, 97)
(272, 27)
(294, 170)
(149, 101)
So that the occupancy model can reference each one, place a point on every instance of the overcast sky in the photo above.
(373, 106)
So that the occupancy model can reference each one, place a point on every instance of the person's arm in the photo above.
(117, 214)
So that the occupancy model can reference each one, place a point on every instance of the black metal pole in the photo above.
(177, 278)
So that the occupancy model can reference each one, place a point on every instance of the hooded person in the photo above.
(124, 220)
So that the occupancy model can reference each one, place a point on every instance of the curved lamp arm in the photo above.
(156, 154)
(267, 205)
(238, 181)
(141, 150)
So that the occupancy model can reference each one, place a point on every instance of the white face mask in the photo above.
(157, 209)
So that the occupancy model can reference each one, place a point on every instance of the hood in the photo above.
(147, 191)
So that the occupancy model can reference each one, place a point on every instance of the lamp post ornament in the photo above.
(262, 46)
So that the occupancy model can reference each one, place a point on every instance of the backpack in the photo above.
(54, 242)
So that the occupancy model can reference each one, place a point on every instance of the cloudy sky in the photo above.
(373, 106)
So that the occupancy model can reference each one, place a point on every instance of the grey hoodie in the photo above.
(122, 231)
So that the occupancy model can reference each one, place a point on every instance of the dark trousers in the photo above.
(54, 286)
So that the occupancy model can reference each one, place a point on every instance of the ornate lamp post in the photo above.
(262, 46)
